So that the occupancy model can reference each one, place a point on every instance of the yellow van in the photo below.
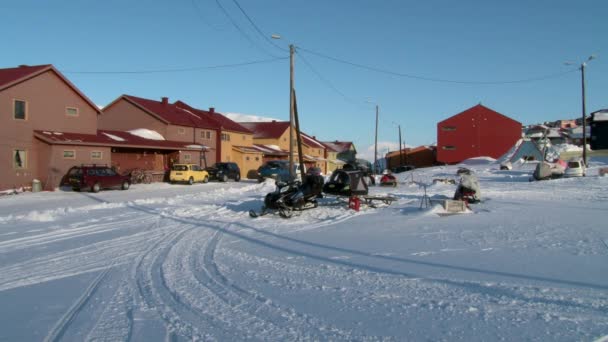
(189, 173)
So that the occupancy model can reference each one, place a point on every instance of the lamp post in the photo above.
(292, 50)
(584, 115)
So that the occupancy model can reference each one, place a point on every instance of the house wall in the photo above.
(125, 116)
(418, 158)
(317, 152)
(249, 164)
(477, 132)
(282, 141)
(58, 165)
(331, 164)
(47, 96)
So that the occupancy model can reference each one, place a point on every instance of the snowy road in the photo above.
(181, 263)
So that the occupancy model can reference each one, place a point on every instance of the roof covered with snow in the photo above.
(338, 146)
(111, 138)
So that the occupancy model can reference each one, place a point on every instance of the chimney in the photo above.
(211, 110)
(165, 100)
(274, 120)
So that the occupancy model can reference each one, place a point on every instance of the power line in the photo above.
(327, 82)
(430, 79)
(157, 71)
(257, 28)
(241, 30)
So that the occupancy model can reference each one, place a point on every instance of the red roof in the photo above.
(478, 109)
(338, 146)
(12, 76)
(112, 139)
(228, 124)
(171, 113)
(221, 120)
(312, 142)
(270, 150)
(267, 130)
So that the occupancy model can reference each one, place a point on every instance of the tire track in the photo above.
(275, 322)
(178, 316)
(62, 325)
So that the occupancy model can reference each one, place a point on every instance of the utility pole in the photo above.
(376, 145)
(291, 111)
(582, 68)
(584, 115)
(400, 149)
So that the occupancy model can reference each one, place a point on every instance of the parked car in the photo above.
(224, 171)
(189, 173)
(96, 177)
(277, 170)
(575, 168)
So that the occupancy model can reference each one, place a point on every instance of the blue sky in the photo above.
(438, 57)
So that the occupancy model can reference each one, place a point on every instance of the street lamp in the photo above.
(292, 50)
(582, 69)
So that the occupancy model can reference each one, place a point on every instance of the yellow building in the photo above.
(273, 138)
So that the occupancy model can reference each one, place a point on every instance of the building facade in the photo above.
(476, 132)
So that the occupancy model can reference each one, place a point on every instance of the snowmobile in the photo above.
(346, 183)
(388, 179)
(468, 188)
(291, 196)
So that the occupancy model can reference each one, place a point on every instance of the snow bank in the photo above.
(147, 134)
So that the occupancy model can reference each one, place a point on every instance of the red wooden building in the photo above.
(477, 132)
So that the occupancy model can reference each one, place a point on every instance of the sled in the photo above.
(370, 199)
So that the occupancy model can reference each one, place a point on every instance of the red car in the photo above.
(96, 177)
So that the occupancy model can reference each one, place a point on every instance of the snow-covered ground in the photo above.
(164, 262)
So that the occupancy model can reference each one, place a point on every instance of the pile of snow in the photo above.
(113, 137)
(479, 161)
(147, 134)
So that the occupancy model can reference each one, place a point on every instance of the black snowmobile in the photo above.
(291, 196)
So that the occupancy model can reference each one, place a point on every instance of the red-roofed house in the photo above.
(346, 150)
(41, 98)
(476, 132)
(224, 139)
(48, 126)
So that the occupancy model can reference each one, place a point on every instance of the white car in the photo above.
(575, 168)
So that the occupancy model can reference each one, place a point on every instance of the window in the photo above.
(71, 111)
(244, 137)
(448, 128)
(449, 148)
(181, 130)
(205, 135)
(96, 155)
(225, 137)
(69, 154)
(187, 157)
(20, 159)
(20, 110)
(247, 158)
(257, 158)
